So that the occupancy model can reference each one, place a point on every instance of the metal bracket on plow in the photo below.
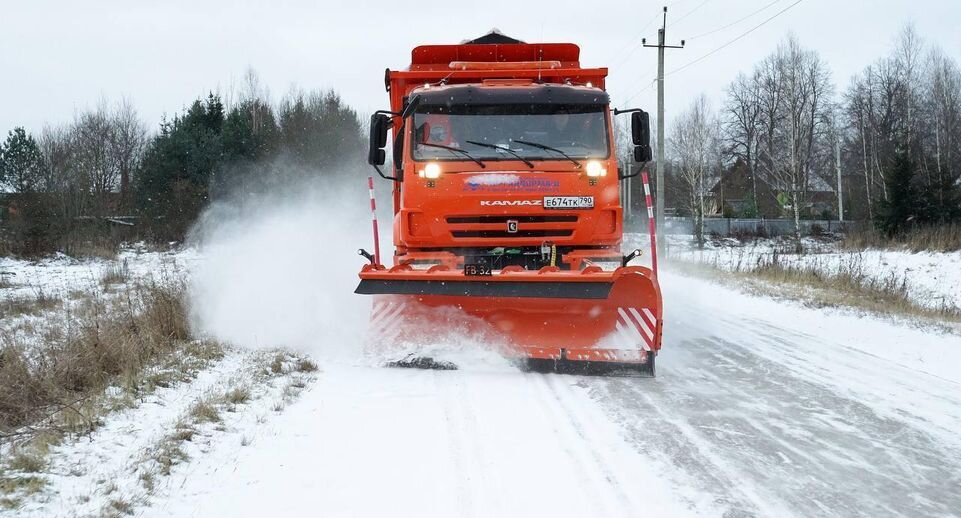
(630, 257)
(367, 255)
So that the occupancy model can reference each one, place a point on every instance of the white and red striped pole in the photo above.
(650, 220)
(373, 214)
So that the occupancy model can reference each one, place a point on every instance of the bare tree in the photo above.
(768, 75)
(94, 138)
(58, 152)
(743, 123)
(942, 113)
(695, 139)
(858, 112)
(127, 142)
(797, 124)
(907, 62)
(108, 145)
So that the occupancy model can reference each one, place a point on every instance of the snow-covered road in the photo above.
(760, 409)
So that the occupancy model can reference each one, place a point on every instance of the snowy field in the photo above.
(65, 280)
(60, 274)
(931, 279)
(760, 408)
(205, 398)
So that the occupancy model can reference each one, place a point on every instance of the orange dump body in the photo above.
(545, 294)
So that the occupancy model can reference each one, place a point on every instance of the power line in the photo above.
(632, 43)
(728, 44)
(692, 11)
(650, 85)
(652, 81)
(615, 64)
(719, 29)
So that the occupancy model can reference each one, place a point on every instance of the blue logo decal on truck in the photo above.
(519, 185)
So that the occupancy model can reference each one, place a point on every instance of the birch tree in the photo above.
(798, 124)
(695, 146)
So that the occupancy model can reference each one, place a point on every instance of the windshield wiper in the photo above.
(548, 148)
(509, 150)
(454, 149)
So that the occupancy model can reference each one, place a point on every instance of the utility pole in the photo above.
(837, 162)
(659, 177)
(626, 192)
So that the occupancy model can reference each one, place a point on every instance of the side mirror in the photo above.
(379, 124)
(643, 154)
(641, 135)
(641, 128)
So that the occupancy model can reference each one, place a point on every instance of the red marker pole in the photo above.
(650, 220)
(373, 214)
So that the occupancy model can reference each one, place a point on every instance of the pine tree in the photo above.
(21, 162)
(940, 203)
(900, 211)
(174, 178)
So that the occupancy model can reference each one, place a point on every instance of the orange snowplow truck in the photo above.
(507, 216)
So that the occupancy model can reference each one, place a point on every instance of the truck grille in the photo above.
(528, 226)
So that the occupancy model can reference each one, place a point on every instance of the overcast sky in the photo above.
(60, 57)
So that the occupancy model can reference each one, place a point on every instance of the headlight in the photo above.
(595, 169)
(431, 171)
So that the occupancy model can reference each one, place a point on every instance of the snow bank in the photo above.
(931, 279)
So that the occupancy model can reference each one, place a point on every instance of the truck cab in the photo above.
(503, 155)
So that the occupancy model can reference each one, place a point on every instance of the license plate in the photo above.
(568, 202)
(477, 270)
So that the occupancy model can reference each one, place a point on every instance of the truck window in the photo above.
(578, 130)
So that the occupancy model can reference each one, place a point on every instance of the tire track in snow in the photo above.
(701, 455)
(926, 403)
(637, 408)
(758, 424)
(575, 446)
(587, 433)
(456, 448)
(485, 485)
(845, 434)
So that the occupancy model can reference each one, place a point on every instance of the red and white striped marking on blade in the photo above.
(637, 327)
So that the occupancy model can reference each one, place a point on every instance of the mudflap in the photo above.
(589, 320)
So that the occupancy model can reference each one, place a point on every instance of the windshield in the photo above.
(510, 132)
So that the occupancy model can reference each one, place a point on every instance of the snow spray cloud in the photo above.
(279, 268)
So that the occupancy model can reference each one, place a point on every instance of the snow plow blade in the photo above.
(590, 315)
